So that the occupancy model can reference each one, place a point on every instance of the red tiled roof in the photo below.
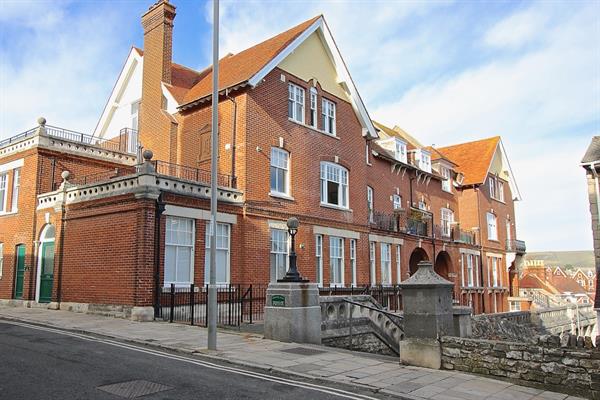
(238, 68)
(531, 281)
(473, 158)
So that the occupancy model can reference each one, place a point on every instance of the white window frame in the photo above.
(207, 252)
(500, 190)
(470, 266)
(275, 255)
(1, 258)
(336, 259)
(319, 258)
(397, 202)
(425, 160)
(370, 204)
(328, 115)
(398, 263)
(386, 264)
(280, 160)
(492, 186)
(492, 226)
(296, 102)
(446, 183)
(400, 151)
(447, 219)
(340, 175)
(313, 107)
(177, 246)
(3, 191)
(494, 268)
(372, 262)
(15, 189)
(353, 260)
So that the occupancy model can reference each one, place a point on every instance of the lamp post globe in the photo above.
(292, 274)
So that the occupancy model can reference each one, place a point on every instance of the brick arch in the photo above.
(417, 255)
(443, 265)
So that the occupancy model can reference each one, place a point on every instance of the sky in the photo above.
(444, 71)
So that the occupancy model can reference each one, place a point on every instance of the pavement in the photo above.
(379, 374)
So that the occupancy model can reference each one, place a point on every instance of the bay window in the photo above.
(179, 251)
(296, 103)
(334, 185)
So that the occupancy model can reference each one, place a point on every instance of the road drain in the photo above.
(133, 389)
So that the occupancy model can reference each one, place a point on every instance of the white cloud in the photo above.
(518, 29)
(59, 64)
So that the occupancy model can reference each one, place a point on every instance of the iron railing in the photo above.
(385, 222)
(417, 227)
(191, 173)
(103, 176)
(237, 304)
(18, 137)
(462, 236)
(516, 245)
(388, 296)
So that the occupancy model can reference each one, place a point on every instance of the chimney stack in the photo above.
(154, 127)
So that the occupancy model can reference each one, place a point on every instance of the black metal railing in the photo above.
(103, 176)
(124, 143)
(18, 137)
(191, 173)
(384, 221)
(462, 236)
(388, 296)
(237, 304)
(516, 245)
(416, 227)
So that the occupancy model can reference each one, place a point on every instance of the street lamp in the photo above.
(292, 274)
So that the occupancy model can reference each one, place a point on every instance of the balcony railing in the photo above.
(191, 174)
(516, 245)
(462, 236)
(126, 142)
(386, 222)
(103, 176)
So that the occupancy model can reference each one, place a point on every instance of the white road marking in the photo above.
(257, 375)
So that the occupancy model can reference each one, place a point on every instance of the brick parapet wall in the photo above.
(553, 363)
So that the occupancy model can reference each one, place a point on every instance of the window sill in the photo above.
(166, 288)
(332, 206)
(447, 191)
(498, 200)
(312, 128)
(8, 213)
(281, 196)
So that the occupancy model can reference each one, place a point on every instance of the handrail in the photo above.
(386, 313)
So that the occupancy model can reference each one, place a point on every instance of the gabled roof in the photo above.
(250, 66)
(473, 158)
(239, 68)
(593, 151)
(397, 132)
(438, 155)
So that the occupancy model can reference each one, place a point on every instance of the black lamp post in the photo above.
(292, 274)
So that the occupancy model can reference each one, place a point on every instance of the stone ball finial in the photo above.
(41, 121)
(65, 175)
(147, 154)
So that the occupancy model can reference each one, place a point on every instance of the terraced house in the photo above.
(116, 216)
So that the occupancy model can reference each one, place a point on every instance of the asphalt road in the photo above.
(42, 363)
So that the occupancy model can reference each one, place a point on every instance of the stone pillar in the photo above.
(293, 313)
(428, 315)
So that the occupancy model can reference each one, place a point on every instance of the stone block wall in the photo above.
(564, 364)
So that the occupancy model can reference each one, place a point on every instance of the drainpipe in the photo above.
(234, 134)
(411, 190)
(160, 208)
(34, 266)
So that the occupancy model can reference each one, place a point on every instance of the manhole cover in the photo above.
(303, 351)
(133, 389)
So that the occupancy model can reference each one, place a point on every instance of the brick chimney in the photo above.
(158, 50)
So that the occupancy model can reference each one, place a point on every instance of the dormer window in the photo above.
(400, 150)
(446, 183)
(423, 160)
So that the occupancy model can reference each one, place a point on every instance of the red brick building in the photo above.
(295, 140)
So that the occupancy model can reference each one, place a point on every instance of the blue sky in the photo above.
(445, 71)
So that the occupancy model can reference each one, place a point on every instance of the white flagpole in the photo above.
(214, 149)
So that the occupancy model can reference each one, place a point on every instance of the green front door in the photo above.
(46, 272)
(20, 271)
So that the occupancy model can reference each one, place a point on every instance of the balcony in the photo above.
(385, 222)
(463, 236)
(516, 246)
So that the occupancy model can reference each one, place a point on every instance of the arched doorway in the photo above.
(417, 255)
(443, 265)
(45, 272)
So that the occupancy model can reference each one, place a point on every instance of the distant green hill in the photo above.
(575, 259)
